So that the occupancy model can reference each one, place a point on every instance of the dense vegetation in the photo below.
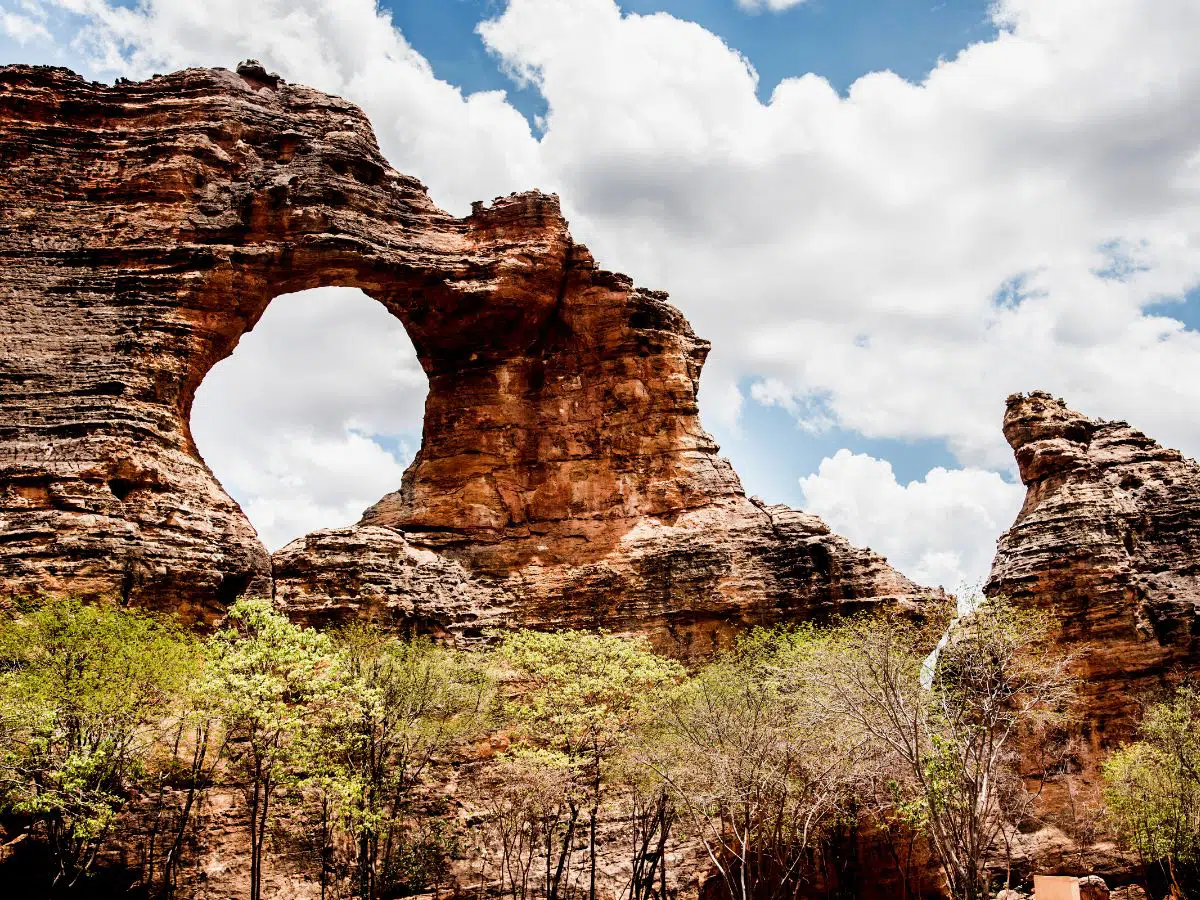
(568, 752)
(1152, 790)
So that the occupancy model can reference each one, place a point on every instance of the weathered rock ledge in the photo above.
(563, 478)
(1108, 544)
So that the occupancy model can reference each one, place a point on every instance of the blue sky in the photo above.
(839, 39)
(770, 452)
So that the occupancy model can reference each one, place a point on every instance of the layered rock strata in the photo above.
(1108, 544)
(563, 477)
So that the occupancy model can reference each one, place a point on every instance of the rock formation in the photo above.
(1108, 543)
(563, 478)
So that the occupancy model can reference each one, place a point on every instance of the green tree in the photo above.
(185, 759)
(582, 695)
(401, 702)
(1152, 788)
(758, 779)
(273, 683)
(83, 691)
(946, 726)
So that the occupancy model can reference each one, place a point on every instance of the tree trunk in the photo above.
(592, 853)
(664, 829)
(254, 839)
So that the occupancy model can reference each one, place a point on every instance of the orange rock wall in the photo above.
(563, 477)
(1108, 544)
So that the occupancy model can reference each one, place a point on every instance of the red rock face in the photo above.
(1108, 542)
(563, 477)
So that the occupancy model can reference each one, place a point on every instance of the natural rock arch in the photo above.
(316, 413)
(563, 476)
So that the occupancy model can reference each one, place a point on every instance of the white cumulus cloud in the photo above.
(22, 29)
(770, 5)
(857, 249)
(938, 531)
(293, 422)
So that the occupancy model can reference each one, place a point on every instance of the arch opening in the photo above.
(315, 414)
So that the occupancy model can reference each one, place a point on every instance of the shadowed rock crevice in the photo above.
(563, 476)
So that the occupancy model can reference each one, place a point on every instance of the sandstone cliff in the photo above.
(1108, 543)
(563, 477)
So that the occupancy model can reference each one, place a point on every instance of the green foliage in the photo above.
(583, 691)
(583, 696)
(84, 690)
(769, 755)
(265, 669)
(421, 855)
(398, 704)
(941, 728)
(182, 764)
(1152, 787)
(758, 777)
(272, 683)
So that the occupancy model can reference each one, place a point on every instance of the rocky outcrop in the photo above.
(563, 477)
(1108, 543)
(688, 583)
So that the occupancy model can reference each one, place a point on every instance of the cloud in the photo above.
(893, 261)
(852, 248)
(299, 482)
(938, 531)
(294, 422)
(22, 29)
(769, 5)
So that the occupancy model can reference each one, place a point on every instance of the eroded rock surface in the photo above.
(563, 478)
(1108, 543)
(689, 583)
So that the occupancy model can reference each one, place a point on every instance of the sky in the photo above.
(887, 215)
